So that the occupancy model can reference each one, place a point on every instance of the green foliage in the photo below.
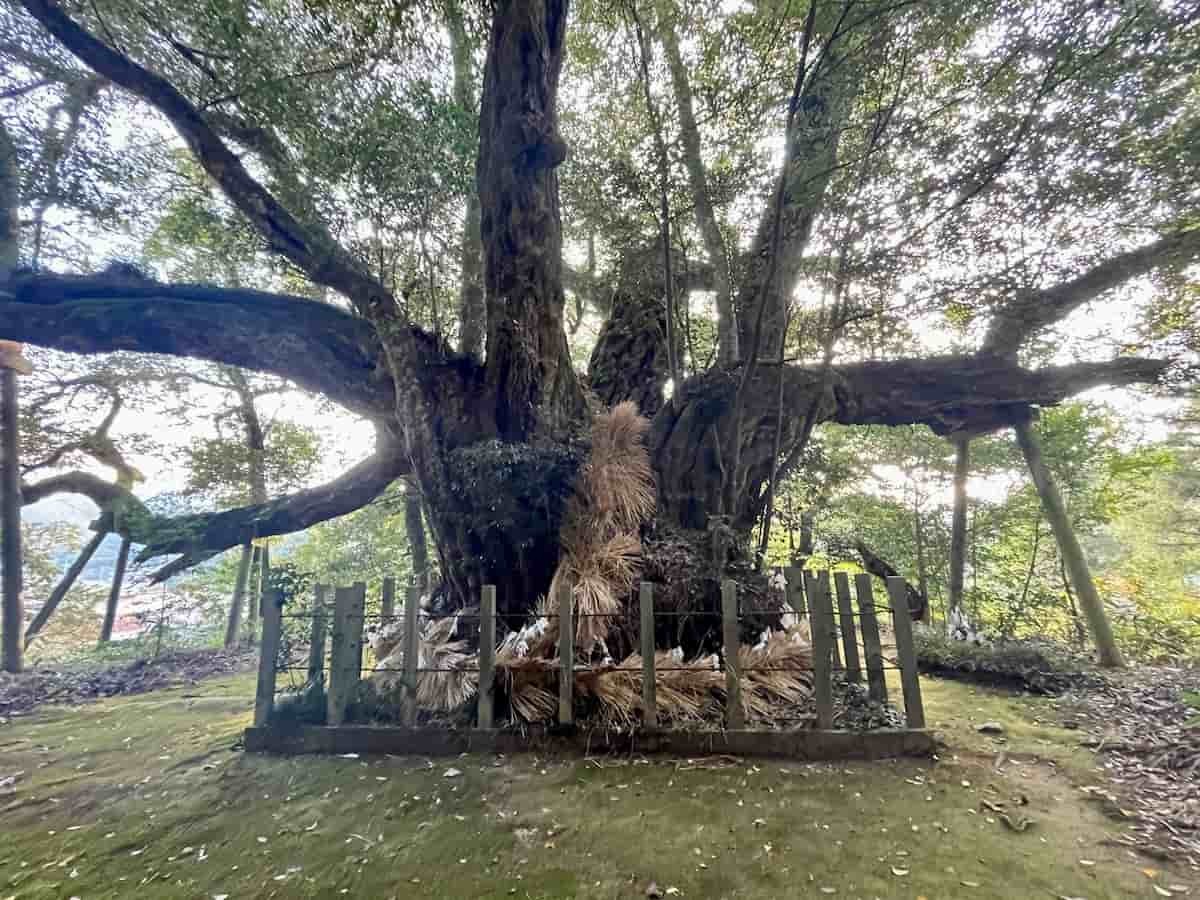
(223, 468)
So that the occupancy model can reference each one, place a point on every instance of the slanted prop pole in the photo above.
(649, 687)
(487, 657)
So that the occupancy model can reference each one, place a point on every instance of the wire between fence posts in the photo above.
(849, 639)
(566, 655)
(649, 686)
(316, 641)
(487, 656)
(794, 590)
(345, 655)
(821, 622)
(872, 649)
(735, 717)
(914, 710)
(272, 627)
(412, 649)
(387, 599)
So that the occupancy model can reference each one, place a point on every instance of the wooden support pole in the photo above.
(649, 685)
(849, 639)
(735, 715)
(821, 628)
(412, 653)
(914, 710)
(316, 641)
(872, 649)
(566, 655)
(272, 630)
(63, 587)
(12, 622)
(487, 657)
(345, 659)
(794, 592)
(1068, 545)
(387, 600)
(114, 592)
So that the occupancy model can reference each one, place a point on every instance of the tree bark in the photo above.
(414, 529)
(879, 567)
(1068, 546)
(233, 622)
(64, 585)
(529, 374)
(472, 312)
(958, 525)
(10, 524)
(706, 217)
(114, 592)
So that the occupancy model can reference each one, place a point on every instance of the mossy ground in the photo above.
(145, 796)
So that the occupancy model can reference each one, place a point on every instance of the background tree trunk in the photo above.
(257, 585)
(958, 525)
(114, 591)
(12, 622)
(234, 621)
(922, 574)
(1068, 546)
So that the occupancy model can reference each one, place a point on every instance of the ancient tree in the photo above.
(491, 437)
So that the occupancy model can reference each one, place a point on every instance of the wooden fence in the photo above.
(844, 630)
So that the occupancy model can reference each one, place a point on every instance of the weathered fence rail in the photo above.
(845, 638)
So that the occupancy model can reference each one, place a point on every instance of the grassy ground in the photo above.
(145, 796)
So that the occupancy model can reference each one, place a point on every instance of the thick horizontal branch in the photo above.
(104, 494)
(964, 394)
(198, 537)
(1018, 320)
(319, 347)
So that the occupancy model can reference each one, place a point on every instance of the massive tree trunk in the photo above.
(1068, 546)
(414, 529)
(114, 592)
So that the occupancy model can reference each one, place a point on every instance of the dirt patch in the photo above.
(1144, 725)
(19, 694)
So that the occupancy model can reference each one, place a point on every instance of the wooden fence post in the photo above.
(794, 592)
(735, 716)
(826, 599)
(487, 656)
(566, 655)
(849, 640)
(820, 620)
(345, 655)
(387, 601)
(914, 710)
(876, 682)
(649, 686)
(412, 654)
(272, 627)
(316, 643)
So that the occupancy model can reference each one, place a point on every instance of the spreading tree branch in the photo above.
(319, 347)
(1028, 313)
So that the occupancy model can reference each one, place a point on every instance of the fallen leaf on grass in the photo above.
(899, 872)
